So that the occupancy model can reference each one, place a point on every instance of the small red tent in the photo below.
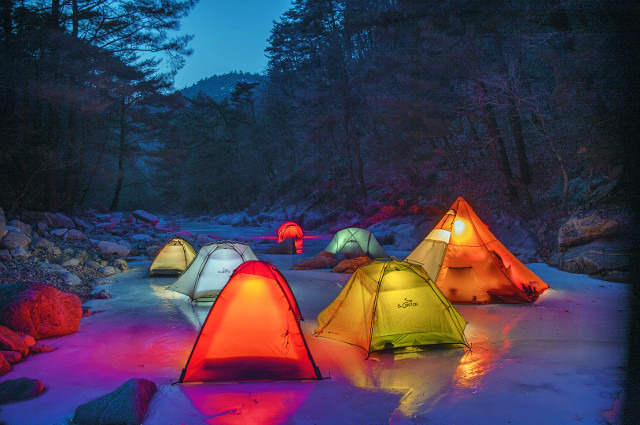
(252, 332)
(289, 230)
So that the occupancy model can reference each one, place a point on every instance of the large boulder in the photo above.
(58, 220)
(113, 248)
(580, 230)
(604, 259)
(4, 368)
(15, 239)
(59, 232)
(19, 253)
(41, 243)
(146, 217)
(24, 228)
(240, 219)
(323, 260)
(82, 224)
(350, 265)
(11, 341)
(3, 223)
(74, 235)
(68, 277)
(4, 255)
(12, 357)
(518, 239)
(121, 264)
(20, 389)
(127, 405)
(287, 246)
(39, 310)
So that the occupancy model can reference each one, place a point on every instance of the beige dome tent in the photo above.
(391, 304)
(211, 269)
(174, 257)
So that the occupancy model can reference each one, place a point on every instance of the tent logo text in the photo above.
(407, 303)
(225, 270)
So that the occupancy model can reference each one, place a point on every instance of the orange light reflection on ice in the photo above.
(250, 403)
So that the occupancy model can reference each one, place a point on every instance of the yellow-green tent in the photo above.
(390, 304)
(173, 258)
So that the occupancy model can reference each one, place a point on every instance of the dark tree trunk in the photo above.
(497, 143)
(122, 136)
(516, 129)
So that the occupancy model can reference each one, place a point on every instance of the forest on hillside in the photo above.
(527, 105)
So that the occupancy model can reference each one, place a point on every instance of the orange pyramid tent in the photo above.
(470, 265)
(252, 332)
(289, 230)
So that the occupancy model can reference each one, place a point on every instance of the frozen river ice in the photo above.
(560, 361)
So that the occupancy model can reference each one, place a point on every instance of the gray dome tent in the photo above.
(211, 269)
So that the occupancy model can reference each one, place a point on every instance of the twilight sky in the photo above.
(230, 35)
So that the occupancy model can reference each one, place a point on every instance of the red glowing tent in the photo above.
(252, 332)
(289, 230)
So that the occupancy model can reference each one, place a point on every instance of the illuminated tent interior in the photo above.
(174, 257)
(470, 265)
(391, 304)
(356, 241)
(252, 332)
(211, 269)
(289, 230)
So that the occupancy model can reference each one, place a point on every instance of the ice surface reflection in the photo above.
(248, 403)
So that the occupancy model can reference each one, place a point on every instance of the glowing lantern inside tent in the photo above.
(289, 230)
(459, 226)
